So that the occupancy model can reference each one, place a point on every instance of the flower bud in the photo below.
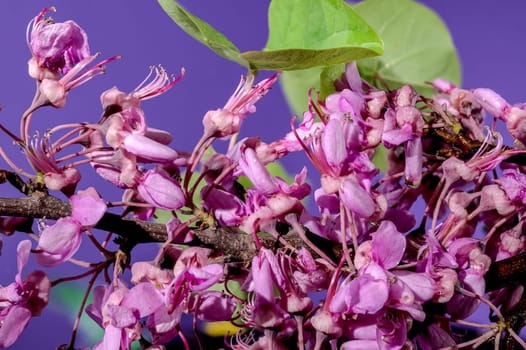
(57, 46)
(146, 148)
(443, 85)
(69, 177)
(221, 123)
(54, 91)
(492, 102)
(159, 189)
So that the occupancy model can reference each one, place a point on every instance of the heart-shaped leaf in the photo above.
(202, 31)
(310, 33)
(296, 59)
(302, 34)
(418, 47)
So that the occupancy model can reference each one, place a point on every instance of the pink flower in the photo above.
(57, 46)
(356, 198)
(266, 312)
(227, 120)
(87, 207)
(60, 241)
(366, 294)
(22, 299)
(159, 189)
(55, 91)
(226, 207)
(213, 306)
(492, 102)
(118, 310)
(148, 149)
(160, 82)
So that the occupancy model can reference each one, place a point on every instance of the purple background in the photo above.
(488, 34)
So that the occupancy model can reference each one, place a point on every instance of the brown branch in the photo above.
(504, 273)
(231, 245)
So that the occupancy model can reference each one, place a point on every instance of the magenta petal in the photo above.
(111, 340)
(144, 297)
(87, 207)
(121, 317)
(369, 292)
(257, 173)
(398, 136)
(353, 76)
(59, 242)
(360, 345)
(333, 143)
(228, 209)
(420, 284)
(149, 149)
(492, 102)
(338, 303)
(388, 245)
(58, 46)
(160, 190)
(13, 324)
(36, 286)
(413, 162)
(215, 306)
(22, 255)
(204, 277)
(357, 199)
(261, 274)
(94, 310)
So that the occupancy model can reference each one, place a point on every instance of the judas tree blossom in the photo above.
(55, 92)
(473, 264)
(60, 56)
(183, 289)
(374, 259)
(271, 199)
(159, 189)
(363, 269)
(227, 120)
(265, 311)
(131, 141)
(60, 241)
(22, 299)
(56, 47)
(119, 309)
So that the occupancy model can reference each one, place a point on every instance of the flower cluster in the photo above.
(361, 270)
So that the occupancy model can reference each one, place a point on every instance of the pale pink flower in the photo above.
(22, 299)
(57, 47)
(227, 120)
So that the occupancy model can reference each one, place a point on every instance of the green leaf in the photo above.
(310, 33)
(327, 78)
(296, 85)
(276, 169)
(418, 47)
(202, 31)
(302, 34)
(294, 59)
(380, 158)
